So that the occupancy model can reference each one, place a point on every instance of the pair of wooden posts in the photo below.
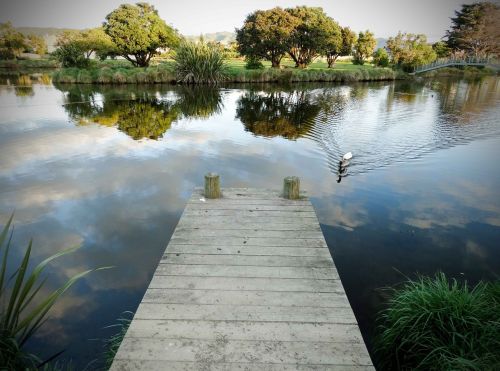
(291, 186)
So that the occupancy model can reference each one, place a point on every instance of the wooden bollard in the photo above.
(291, 187)
(212, 185)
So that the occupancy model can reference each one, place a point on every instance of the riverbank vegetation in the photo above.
(440, 324)
(272, 42)
(23, 310)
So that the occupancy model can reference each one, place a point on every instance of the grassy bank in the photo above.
(24, 64)
(467, 71)
(118, 72)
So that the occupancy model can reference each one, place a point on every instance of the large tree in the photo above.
(349, 38)
(93, 40)
(12, 42)
(476, 29)
(365, 46)
(315, 35)
(266, 35)
(409, 50)
(139, 32)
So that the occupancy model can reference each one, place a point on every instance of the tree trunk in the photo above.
(275, 63)
(331, 59)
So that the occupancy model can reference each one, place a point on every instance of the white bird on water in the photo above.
(347, 156)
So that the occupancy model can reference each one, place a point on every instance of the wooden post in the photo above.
(212, 185)
(291, 187)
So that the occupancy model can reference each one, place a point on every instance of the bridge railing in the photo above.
(443, 62)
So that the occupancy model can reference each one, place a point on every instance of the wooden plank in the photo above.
(224, 350)
(245, 313)
(245, 283)
(221, 220)
(249, 250)
(217, 270)
(245, 330)
(247, 241)
(230, 224)
(154, 365)
(236, 297)
(241, 207)
(261, 260)
(197, 232)
(244, 213)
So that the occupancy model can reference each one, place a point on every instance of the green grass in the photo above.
(121, 72)
(20, 64)
(438, 324)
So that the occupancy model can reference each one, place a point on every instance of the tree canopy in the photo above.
(316, 34)
(365, 45)
(348, 40)
(476, 29)
(12, 42)
(266, 35)
(409, 50)
(138, 32)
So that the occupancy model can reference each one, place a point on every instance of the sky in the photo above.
(193, 17)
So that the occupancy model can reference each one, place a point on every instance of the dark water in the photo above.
(111, 168)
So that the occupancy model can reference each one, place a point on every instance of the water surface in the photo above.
(110, 168)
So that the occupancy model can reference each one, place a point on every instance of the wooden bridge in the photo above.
(246, 283)
(440, 63)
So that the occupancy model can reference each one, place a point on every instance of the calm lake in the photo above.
(110, 168)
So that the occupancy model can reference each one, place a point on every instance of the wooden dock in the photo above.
(247, 283)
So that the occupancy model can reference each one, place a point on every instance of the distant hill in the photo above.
(381, 43)
(49, 34)
(224, 37)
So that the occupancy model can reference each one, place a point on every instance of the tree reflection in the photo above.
(141, 111)
(278, 113)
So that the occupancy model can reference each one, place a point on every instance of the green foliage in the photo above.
(365, 45)
(476, 29)
(434, 324)
(71, 54)
(316, 34)
(349, 38)
(409, 50)
(138, 32)
(266, 35)
(199, 63)
(381, 58)
(36, 44)
(441, 49)
(253, 63)
(22, 311)
(12, 42)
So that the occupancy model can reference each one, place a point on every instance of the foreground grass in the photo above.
(116, 72)
(436, 324)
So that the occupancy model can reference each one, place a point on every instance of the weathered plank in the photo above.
(259, 261)
(245, 330)
(247, 297)
(217, 270)
(225, 350)
(247, 282)
(249, 250)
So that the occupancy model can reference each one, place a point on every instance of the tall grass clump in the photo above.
(199, 63)
(22, 310)
(437, 324)
(112, 343)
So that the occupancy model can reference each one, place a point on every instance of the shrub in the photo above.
(253, 63)
(434, 324)
(381, 58)
(199, 63)
(71, 55)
